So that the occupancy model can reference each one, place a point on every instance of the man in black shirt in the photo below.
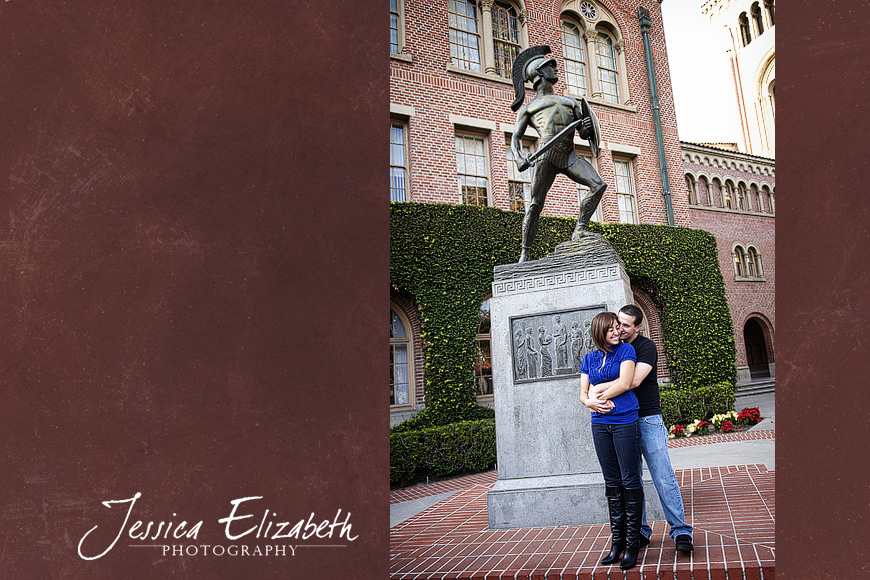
(654, 434)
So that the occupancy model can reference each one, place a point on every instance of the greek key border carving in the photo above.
(556, 280)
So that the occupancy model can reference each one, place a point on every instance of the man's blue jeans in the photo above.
(654, 448)
(617, 447)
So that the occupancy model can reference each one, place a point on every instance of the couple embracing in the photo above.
(618, 384)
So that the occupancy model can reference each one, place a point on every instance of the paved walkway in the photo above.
(440, 530)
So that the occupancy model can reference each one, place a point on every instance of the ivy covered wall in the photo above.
(443, 255)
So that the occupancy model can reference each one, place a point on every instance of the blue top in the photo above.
(625, 405)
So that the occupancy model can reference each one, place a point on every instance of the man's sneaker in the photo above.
(644, 541)
(684, 543)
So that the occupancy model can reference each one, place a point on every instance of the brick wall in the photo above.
(435, 93)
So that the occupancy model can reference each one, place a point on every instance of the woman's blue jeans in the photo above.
(618, 450)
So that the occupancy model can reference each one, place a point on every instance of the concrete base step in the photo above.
(757, 387)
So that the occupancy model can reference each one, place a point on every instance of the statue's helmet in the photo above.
(534, 65)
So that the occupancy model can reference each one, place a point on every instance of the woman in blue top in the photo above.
(615, 434)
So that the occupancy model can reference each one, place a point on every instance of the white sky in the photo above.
(700, 74)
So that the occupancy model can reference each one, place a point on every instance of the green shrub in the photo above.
(702, 402)
(425, 419)
(454, 449)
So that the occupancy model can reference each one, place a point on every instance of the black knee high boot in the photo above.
(616, 505)
(633, 513)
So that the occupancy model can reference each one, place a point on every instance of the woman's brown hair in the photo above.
(600, 325)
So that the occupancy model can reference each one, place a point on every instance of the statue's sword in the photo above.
(569, 129)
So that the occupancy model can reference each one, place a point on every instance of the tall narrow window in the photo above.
(608, 77)
(483, 356)
(464, 34)
(750, 263)
(394, 26)
(770, 202)
(398, 163)
(575, 58)
(505, 37)
(728, 195)
(755, 260)
(704, 192)
(471, 169)
(743, 24)
(755, 11)
(739, 262)
(768, 5)
(400, 386)
(691, 190)
(625, 192)
(519, 182)
(741, 197)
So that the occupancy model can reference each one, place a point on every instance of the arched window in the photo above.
(608, 72)
(728, 195)
(704, 191)
(741, 197)
(592, 49)
(753, 263)
(401, 360)
(743, 25)
(483, 355)
(768, 6)
(756, 200)
(574, 51)
(691, 190)
(755, 11)
(739, 262)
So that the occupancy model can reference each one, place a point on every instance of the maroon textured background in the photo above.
(193, 247)
(823, 291)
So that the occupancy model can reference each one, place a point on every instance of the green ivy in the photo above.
(443, 255)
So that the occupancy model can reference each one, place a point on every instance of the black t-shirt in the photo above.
(648, 391)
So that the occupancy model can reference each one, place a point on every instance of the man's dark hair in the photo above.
(632, 310)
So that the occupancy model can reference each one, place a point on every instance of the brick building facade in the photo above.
(451, 122)
(732, 196)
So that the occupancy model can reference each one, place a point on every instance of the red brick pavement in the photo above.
(731, 509)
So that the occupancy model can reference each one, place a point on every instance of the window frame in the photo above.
(483, 13)
(747, 263)
(691, 189)
(411, 373)
(601, 22)
(486, 336)
(581, 38)
(405, 151)
(621, 195)
(484, 137)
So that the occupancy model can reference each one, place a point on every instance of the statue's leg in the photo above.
(545, 173)
(583, 173)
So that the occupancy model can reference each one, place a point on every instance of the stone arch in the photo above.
(652, 326)
(406, 307)
(758, 340)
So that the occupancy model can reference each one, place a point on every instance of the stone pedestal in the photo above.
(548, 473)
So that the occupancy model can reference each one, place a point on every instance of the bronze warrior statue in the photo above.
(554, 118)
